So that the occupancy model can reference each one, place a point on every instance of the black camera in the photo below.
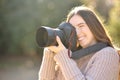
(46, 36)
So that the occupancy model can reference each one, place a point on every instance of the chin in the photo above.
(84, 46)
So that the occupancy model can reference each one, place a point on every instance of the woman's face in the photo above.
(84, 35)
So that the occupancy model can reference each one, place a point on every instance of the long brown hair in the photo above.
(93, 23)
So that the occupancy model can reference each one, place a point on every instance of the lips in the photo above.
(81, 38)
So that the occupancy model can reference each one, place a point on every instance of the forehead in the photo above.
(76, 19)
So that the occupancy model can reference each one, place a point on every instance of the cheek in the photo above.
(87, 31)
(77, 31)
(91, 37)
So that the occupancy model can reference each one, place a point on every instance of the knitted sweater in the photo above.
(102, 65)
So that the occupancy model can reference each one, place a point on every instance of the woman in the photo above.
(101, 65)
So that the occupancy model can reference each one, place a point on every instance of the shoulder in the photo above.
(107, 50)
(107, 53)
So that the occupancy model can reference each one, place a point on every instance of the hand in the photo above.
(58, 48)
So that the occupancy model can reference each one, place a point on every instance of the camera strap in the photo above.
(89, 50)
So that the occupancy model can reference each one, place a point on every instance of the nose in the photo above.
(78, 31)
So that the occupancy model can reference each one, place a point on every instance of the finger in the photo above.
(51, 47)
(58, 40)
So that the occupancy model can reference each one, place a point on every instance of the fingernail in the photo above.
(56, 36)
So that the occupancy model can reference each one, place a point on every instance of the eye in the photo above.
(81, 26)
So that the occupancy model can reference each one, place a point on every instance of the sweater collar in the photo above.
(89, 50)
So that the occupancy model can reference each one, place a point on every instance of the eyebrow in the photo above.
(81, 23)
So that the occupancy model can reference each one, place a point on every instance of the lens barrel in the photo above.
(46, 36)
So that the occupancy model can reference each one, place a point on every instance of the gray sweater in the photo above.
(102, 65)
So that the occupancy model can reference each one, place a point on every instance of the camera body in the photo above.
(46, 36)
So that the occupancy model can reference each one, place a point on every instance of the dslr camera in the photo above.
(46, 36)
